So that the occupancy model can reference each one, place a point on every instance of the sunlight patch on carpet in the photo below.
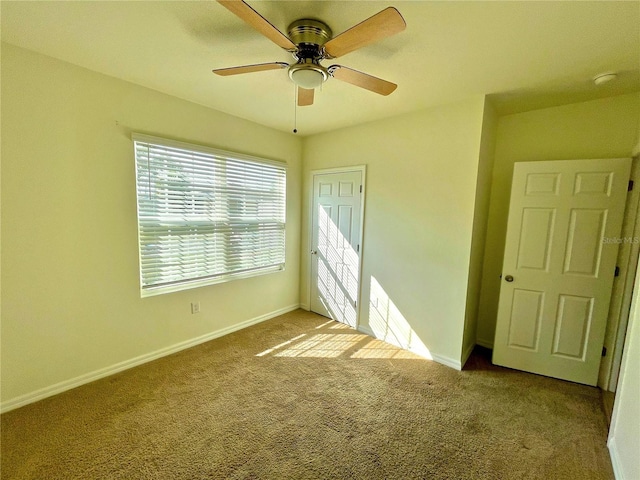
(273, 349)
(378, 349)
(323, 345)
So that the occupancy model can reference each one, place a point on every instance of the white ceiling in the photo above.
(525, 54)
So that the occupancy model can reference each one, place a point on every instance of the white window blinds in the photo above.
(206, 216)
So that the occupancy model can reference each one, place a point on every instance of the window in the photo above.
(206, 216)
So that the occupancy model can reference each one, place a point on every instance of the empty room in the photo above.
(320, 240)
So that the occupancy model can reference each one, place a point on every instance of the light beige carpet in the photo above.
(298, 397)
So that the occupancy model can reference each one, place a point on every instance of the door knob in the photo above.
(509, 278)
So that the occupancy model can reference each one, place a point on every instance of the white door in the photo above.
(559, 262)
(335, 249)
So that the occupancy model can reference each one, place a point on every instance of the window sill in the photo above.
(187, 285)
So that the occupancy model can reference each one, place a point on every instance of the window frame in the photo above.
(221, 156)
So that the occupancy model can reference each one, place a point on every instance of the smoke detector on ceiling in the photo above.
(604, 78)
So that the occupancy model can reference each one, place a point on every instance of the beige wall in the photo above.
(70, 297)
(69, 220)
(420, 193)
(483, 195)
(604, 128)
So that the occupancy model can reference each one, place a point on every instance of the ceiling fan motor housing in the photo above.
(309, 36)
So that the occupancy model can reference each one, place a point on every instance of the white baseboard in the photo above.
(305, 307)
(366, 330)
(60, 387)
(449, 362)
(484, 343)
(615, 459)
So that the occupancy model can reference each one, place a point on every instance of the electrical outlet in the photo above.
(195, 307)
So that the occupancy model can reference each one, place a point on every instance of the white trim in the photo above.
(624, 286)
(355, 168)
(449, 362)
(134, 362)
(366, 330)
(203, 282)
(306, 307)
(484, 343)
(615, 459)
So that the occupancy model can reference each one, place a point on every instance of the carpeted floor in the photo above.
(298, 397)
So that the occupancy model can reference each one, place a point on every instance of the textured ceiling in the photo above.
(526, 55)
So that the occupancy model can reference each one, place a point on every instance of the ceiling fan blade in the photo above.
(383, 24)
(257, 21)
(359, 79)
(305, 96)
(259, 67)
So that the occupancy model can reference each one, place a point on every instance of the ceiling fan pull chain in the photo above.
(295, 109)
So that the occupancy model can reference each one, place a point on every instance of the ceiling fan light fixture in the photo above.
(308, 75)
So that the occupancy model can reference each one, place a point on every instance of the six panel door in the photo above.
(335, 254)
(565, 218)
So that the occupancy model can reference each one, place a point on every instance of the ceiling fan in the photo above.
(310, 41)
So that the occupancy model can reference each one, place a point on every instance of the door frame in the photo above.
(312, 173)
(623, 287)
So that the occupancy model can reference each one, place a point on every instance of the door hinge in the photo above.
(355, 304)
(630, 187)
(358, 248)
(604, 351)
(360, 188)
(616, 272)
